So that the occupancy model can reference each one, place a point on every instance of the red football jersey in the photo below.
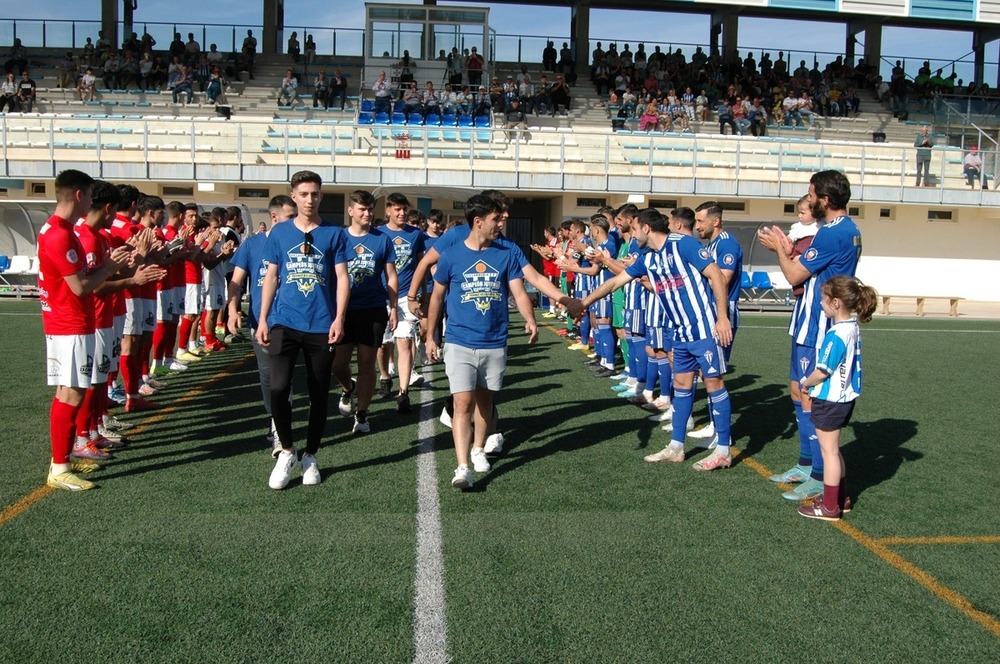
(122, 230)
(118, 297)
(95, 250)
(60, 255)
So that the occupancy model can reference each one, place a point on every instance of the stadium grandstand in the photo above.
(239, 142)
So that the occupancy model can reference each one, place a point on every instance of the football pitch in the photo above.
(570, 550)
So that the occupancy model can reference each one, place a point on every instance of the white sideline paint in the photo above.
(430, 631)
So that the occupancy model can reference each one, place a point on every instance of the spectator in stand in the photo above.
(412, 100)
(85, 88)
(549, 57)
(321, 90)
(192, 50)
(740, 113)
(216, 84)
(184, 84)
(202, 72)
(310, 49)
(474, 66)
(158, 75)
(567, 65)
(338, 89)
(726, 117)
(131, 45)
(249, 50)
(431, 100)
(758, 117)
(972, 167)
(17, 59)
(8, 93)
(289, 90)
(147, 43)
(790, 106)
(602, 76)
(174, 71)
(514, 118)
(145, 69)
(924, 143)
(510, 93)
(649, 118)
(805, 108)
(112, 69)
(383, 93)
(701, 106)
(293, 46)
(561, 96)
(26, 92)
(543, 96)
(526, 93)
(67, 71)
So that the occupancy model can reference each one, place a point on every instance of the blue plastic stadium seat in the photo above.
(382, 118)
(367, 105)
(415, 119)
(482, 121)
(398, 118)
(4, 263)
(432, 119)
(762, 285)
(365, 118)
(465, 121)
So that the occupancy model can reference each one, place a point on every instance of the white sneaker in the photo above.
(283, 469)
(416, 378)
(707, 431)
(479, 462)
(361, 423)
(665, 416)
(177, 365)
(392, 370)
(462, 478)
(666, 454)
(146, 390)
(445, 418)
(310, 470)
(112, 422)
(494, 444)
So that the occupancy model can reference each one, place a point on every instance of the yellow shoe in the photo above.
(69, 482)
(187, 357)
(83, 466)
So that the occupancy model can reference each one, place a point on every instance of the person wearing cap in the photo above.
(510, 93)
(973, 166)
(474, 66)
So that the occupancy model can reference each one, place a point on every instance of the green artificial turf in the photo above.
(570, 550)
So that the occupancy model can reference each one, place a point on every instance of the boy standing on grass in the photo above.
(835, 385)
(372, 270)
(684, 277)
(834, 251)
(303, 301)
(474, 278)
(68, 320)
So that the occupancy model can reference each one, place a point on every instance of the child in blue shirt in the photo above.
(834, 385)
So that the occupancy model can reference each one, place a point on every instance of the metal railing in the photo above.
(248, 151)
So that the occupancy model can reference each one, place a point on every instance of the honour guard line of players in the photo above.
(316, 287)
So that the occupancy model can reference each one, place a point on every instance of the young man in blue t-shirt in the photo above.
(303, 301)
(835, 251)
(249, 261)
(474, 279)
(408, 245)
(372, 269)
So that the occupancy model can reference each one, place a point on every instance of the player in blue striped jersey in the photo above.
(835, 251)
(728, 255)
(686, 280)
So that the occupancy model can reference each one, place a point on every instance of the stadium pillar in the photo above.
(727, 23)
(980, 38)
(274, 25)
(872, 40)
(109, 20)
(579, 35)
(873, 45)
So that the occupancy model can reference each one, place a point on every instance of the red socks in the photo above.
(184, 333)
(62, 422)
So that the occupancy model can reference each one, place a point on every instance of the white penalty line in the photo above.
(430, 630)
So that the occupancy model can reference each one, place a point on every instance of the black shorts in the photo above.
(831, 415)
(365, 327)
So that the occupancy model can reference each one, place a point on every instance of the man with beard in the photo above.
(834, 251)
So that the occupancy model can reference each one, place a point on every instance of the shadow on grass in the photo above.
(877, 451)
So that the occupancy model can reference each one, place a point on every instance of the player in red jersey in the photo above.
(68, 320)
(167, 313)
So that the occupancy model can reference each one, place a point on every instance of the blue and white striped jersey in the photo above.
(675, 273)
(728, 255)
(834, 251)
(635, 294)
(839, 356)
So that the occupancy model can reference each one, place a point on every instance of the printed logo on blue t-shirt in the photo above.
(261, 273)
(362, 264)
(481, 286)
(305, 269)
(403, 249)
(704, 253)
(810, 254)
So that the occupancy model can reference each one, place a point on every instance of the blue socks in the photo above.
(722, 414)
(808, 440)
(585, 330)
(683, 404)
(604, 342)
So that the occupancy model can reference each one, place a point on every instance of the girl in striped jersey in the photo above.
(835, 385)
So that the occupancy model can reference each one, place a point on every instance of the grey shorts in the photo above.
(469, 368)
